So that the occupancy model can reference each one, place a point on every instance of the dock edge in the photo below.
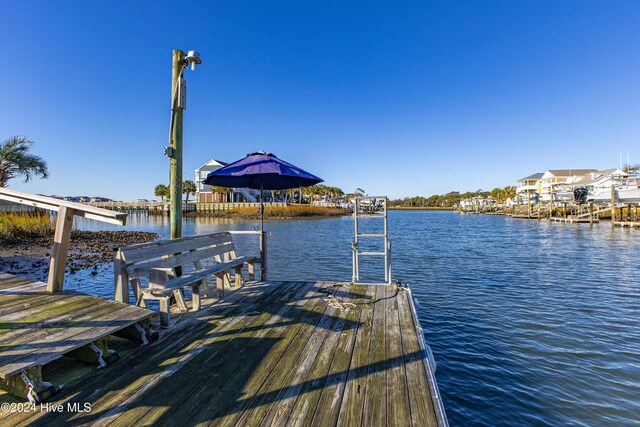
(433, 385)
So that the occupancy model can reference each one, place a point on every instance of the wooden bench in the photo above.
(165, 263)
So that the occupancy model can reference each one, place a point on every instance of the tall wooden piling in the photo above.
(175, 168)
(613, 204)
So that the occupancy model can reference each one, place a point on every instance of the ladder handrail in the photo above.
(356, 253)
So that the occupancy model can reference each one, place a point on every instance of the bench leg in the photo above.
(140, 300)
(238, 276)
(220, 284)
(195, 298)
(251, 269)
(165, 316)
(136, 289)
(97, 353)
(207, 290)
(177, 294)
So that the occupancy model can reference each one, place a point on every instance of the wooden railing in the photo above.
(66, 212)
(129, 205)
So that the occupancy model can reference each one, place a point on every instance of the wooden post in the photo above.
(529, 204)
(590, 213)
(613, 204)
(121, 278)
(550, 208)
(175, 168)
(60, 249)
(263, 255)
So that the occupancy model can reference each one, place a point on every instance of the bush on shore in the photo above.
(14, 225)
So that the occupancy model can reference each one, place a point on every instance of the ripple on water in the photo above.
(531, 323)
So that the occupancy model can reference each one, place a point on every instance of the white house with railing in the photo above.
(205, 195)
(529, 184)
(558, 181)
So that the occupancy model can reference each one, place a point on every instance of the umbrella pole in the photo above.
(263, 238)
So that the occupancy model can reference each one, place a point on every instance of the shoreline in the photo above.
(88, 250)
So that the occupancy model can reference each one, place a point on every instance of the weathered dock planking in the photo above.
(37, 326)
(269, 353)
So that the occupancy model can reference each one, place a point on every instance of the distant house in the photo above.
(602, 179)
(529, 184)
(561, 180)
(205, 195)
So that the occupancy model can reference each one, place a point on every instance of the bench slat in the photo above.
(182, 259)
(145, 251)
(203, 274)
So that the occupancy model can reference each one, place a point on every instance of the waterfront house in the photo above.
(529, 185)
(601, 180)
(561, 181)
(205, 195)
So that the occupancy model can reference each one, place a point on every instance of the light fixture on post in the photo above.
(174, 151)
(193, 58)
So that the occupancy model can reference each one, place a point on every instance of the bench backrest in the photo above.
(138, 259)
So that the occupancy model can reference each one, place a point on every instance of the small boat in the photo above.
(626, 191)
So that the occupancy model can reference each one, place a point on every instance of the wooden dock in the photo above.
(630, 224)
(574, 220)
(520, 216)
(37, 327)
(269, 353)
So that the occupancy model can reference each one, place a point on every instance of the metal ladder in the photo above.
(375, 207)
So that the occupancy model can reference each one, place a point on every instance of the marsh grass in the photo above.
(291, 211)
(15, 225)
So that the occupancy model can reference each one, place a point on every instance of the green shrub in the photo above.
(15, 225)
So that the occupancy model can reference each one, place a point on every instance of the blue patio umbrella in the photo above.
(261, 171)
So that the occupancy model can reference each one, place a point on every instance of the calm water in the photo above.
(530, 323)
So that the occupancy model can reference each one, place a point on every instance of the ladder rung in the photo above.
(371, 235)
(372, 253)
(370, 216)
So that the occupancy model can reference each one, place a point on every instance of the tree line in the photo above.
(453, 198)
(164, 191)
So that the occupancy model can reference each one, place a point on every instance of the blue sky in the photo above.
(398, 98)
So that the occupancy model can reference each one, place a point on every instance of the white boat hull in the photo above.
(629, 195)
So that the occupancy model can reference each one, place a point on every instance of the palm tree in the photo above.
(161, 191)
(188, 187)
(220, 190)
(496, 193)
(509, 192)
(16, 161)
